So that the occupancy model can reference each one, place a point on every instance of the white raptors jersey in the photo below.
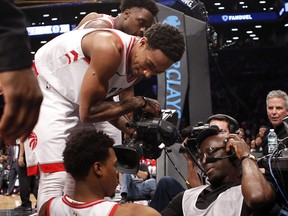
(106, 127)
(228, 203)
(103, 17)
(61, 66)
(62, 206)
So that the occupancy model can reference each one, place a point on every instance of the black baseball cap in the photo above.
(211, 131)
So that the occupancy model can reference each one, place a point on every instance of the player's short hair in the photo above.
(83, 149)
(168, 39)
(149, 5)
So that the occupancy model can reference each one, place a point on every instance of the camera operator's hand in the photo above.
(238, 145)
(185, 154)
(152, 106)
(193, 176)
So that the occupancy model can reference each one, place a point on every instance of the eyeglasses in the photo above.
(211, 151)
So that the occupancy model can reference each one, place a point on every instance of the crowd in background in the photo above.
(240, 81)
(5, 167)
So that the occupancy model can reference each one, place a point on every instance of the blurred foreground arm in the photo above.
(21, 92)
(22, 97)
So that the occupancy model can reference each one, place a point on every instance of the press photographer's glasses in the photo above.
(210, 153)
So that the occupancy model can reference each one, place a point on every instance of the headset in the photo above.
(231, 154)
(213, 130)
(233, 127)
(232, 123)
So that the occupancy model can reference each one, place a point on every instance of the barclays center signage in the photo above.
(173, 76)
(248, 17)
(171, 83)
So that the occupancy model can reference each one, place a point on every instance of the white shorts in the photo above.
(50, 185)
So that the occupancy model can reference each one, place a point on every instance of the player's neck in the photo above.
(118, 22)
(83, 193)
(134, 47)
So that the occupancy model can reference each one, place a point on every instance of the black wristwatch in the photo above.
(247, 155)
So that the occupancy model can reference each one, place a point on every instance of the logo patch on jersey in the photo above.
(72, 56)
(32, 140)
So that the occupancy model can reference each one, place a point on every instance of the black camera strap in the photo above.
(194, 160)
(166, 152)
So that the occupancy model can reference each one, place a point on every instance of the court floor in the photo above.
(8, 203)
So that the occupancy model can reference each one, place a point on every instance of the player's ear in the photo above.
(143, 41)
(126, 14)
(97, 168)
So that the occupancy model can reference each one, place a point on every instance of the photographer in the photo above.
(230, 191)
(226, 125)
(167, 186)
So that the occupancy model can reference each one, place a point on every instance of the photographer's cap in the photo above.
(211, 131)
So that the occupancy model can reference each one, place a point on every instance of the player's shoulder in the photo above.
(129, 209)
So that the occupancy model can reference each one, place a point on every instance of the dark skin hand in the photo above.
(23, 99)
(259, 192)
(193, 177)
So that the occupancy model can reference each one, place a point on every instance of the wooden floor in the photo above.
(8, 203)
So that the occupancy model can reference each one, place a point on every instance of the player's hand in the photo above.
(21, 161)
(23, 98)
(152, 106)
(130, 134)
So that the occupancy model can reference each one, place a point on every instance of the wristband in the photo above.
(145, 102)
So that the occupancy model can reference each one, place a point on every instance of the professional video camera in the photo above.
(153, 134)
(191, 132)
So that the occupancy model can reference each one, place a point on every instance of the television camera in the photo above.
(153, 134)
(191, 132)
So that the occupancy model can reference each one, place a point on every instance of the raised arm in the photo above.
(193, 179)
(259, 192)
(256, 190)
